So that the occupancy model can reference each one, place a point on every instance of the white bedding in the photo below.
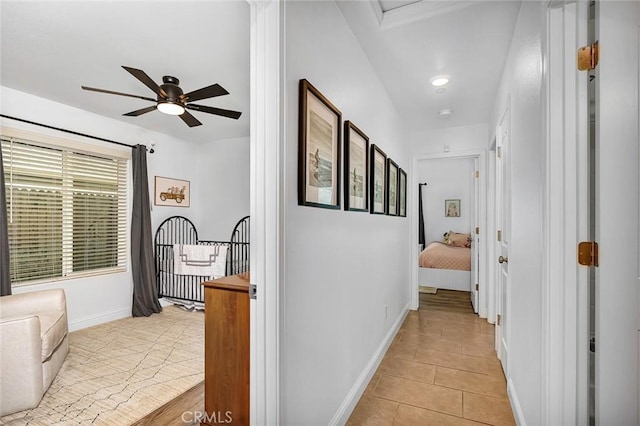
(200, 260)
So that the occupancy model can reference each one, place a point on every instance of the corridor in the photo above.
(441, 369)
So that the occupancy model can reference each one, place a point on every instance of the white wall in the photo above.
(223, 187)
(447, 179)
(522, 84)
(340, 268)
(461, 138)
(103, 298)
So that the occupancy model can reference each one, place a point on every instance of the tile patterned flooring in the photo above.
(441, 369)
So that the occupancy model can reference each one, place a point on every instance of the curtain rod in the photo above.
(66, 131)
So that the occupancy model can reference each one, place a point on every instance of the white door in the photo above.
(617, 216)
(475, 252)
(503, 217)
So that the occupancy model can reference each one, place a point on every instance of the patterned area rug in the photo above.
(118, 372)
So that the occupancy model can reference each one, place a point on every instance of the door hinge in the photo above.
(477, 174)
(588, 253)
(477, 230)
(477, 287)
(499, 319)
(499, 235)
(588, 57)
(499, 152)
(253, 291)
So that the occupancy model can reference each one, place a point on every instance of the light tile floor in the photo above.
(441, 369)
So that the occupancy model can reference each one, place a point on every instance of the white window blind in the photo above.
(67, 211)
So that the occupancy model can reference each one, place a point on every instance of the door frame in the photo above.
(267, 106)
(491, 233)
(565, 217)
(481, 155)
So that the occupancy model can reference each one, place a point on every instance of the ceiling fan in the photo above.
(172, 100)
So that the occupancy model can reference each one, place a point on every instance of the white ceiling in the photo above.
(467, 40)
(51, 48)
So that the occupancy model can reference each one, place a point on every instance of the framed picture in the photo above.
(356, 166)
(319, 139)
(402, 194)
(377, 181)
(392, 187)
(452, 208)
(171, 192)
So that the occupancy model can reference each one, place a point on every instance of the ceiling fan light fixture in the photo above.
(170, 108)
(171, 100)
(439, 80)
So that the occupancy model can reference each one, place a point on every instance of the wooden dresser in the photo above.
(226, 350)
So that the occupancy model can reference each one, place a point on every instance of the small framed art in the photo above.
(356, 166)
(452, 208)
(318, 149)
(171, 192)
(402, 194)
(392, 187)
(377, 181)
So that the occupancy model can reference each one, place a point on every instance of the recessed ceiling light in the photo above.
(439, 80)
(445, 112)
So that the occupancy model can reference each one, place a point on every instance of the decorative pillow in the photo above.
(468, 243)
(458, 240)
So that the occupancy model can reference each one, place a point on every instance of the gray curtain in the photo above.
(145, 290)
(421, 239)
(5, 277)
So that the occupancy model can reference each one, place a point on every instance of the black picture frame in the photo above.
(356, 168)
(392, 187)
(319, 149)
(402, 194)
(377, 181)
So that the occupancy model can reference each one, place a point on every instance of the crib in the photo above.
(180, 230)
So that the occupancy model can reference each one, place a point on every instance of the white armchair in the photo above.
(34, 343)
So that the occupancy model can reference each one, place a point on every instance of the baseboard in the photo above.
(100, 319)
(354, 395)
(515, 404)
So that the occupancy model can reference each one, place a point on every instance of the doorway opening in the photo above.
(454, 215)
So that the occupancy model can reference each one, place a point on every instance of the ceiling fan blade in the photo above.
(189, 119)
(146, 80)
(110, 92)
(140, 111)
(205, 93)
(217, 111)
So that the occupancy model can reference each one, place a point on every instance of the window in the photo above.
(67, 211)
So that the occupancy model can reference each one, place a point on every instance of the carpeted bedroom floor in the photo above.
(116, 373)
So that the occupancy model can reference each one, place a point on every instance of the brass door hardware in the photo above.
(588, 253)
(588, 57)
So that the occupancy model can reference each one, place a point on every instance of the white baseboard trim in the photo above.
(515, 404)
(354, 395)
(102, 318)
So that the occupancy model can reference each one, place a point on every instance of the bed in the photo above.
(447, 264)
(179, 275)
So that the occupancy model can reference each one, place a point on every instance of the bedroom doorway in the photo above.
(467, 193)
